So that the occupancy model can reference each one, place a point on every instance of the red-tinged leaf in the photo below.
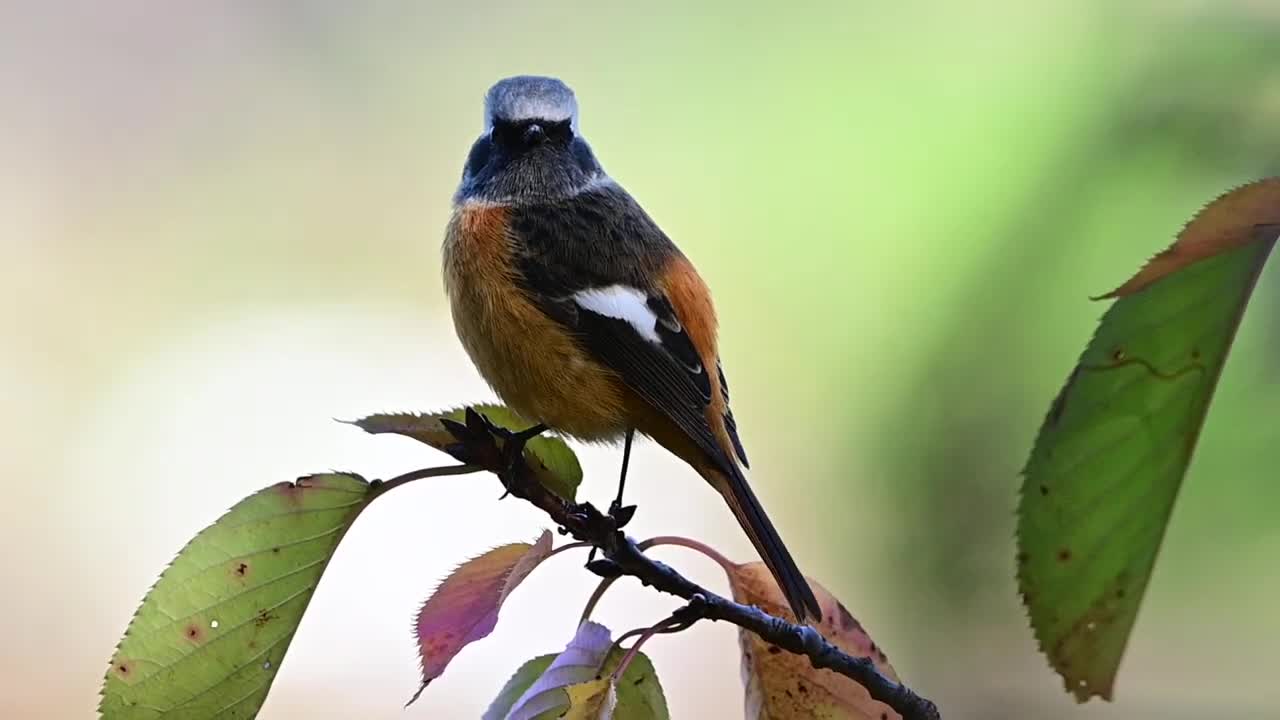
(465, 606)
(1232, 221)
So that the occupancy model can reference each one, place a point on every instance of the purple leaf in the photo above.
(465, 606)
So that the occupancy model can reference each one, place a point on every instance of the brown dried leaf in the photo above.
(785, 686)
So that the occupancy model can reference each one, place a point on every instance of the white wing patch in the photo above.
(622, 302)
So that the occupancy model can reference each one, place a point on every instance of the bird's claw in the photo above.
(621, 514)
(477, 422)
(513, 449)
(495, 448)
(604, 567)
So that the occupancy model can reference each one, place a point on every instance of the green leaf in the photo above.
(517, 685)
(209, 637)
(465, 606)
(1102, 478)
(554, 464)
(639, 694)
(582, 659)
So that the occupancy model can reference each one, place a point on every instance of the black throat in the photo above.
(528, 161)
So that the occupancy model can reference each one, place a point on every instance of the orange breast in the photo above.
(534, 365)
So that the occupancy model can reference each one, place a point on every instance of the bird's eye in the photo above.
(506, 134)
(523, 135)
(560, 133)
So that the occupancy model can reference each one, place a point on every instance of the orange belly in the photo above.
(535, 366)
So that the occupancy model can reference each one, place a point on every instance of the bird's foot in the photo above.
(513, 464)
(494, 448)
(620, 513)
(475, 439)
(604, 567)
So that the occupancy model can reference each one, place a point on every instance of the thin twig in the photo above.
(672, 624)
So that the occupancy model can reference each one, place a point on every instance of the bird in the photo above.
(582, 314)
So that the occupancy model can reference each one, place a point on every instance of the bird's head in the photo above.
(531, 148)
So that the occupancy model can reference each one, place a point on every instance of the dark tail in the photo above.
(751, 516)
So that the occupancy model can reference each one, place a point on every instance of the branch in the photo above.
(622, 556)
(588, 524)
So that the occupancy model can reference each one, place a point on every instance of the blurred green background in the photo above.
(220, 226)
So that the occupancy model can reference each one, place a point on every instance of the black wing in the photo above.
(602, 239)
(729, 423)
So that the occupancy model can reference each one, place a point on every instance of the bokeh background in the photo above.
(220, 226)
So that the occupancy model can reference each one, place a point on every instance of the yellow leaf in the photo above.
(591, 700)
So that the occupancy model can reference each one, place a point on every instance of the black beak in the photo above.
(534, 135)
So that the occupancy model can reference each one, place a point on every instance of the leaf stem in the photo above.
(671, 624)
(385, 486)
(724, 562)
(595, 598)
(570, 546)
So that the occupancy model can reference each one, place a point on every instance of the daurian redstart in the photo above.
(582, 314)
